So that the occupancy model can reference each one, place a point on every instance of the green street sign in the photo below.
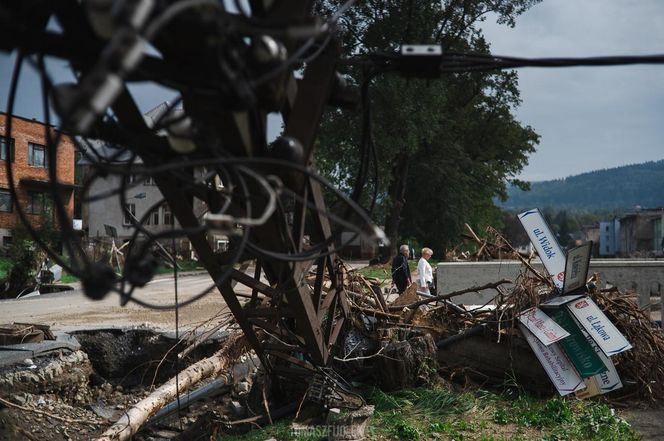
(576, 346)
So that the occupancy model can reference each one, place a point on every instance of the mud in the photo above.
(77, 395)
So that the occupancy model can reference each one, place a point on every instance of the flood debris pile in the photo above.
(643, 366)
(544, 334)
(491, 247)
(487, 343)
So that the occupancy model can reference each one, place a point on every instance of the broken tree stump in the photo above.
(406, 363)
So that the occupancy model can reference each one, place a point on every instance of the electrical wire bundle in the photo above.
(237, 193)
(241, 65)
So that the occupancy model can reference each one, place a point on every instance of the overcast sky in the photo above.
(588, 118)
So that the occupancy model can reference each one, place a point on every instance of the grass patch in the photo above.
(437, 413)
(384, 272)
(7, 263)
(381, 272)
(561, 419)
(68, 278)
(414, 414)
(183, 265)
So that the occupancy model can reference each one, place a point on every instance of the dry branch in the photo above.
(210, 367)
(492, 285)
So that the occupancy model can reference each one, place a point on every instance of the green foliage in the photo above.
(444, 147)
(405, 431)
(565, 420)
(382, 272)
(422, 401)
(24, 260)
(280, 430)
(5, 267)
(183, 265)
(434, 413)
(68, 278)
(608, 189)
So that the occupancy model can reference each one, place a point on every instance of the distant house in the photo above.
(637, 232)
(658, 239)
(105, 218)
(28, 156)
(358, 246)
(609, 237)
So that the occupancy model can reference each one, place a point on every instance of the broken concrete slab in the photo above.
(14, 354)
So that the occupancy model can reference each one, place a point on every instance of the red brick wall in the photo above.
(26, 131)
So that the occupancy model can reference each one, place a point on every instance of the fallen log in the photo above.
(142, 411)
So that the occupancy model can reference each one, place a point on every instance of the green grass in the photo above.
(437, 413)
(68, 278)
(384, 272)
(7, 263)
(380, 272)
(564, 419)
(183, 265)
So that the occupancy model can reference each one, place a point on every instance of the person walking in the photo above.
(424, 272)
(400, 270)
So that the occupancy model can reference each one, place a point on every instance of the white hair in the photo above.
(404, 247)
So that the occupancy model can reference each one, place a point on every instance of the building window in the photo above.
(130, 179)
(37, 156)
(149, 181)
(607, 228)
(4, 154)
(5, 201)
(35, 203)
(168, 215)
(153, 218)
(129, 214)
(6, 241)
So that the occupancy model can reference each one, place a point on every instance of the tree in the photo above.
(445, 147)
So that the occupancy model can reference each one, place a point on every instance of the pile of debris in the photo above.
(493, 247)
(492, 348)
(401, 340)
(587, 340)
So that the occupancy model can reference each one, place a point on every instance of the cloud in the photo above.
(589, 118)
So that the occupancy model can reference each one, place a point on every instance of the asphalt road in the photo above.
(72, 310)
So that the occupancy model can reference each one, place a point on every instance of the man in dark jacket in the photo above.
(400, 270)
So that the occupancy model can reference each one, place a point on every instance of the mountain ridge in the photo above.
(621, 187)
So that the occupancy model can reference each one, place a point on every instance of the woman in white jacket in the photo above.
(424, 272)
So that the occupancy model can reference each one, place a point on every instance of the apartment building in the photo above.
(26, 153)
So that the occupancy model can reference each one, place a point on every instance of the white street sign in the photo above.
(603, 383)
(561, 300)
(600, 328)
(606, 381)
(545, 243)
(542, 326)
(576, 267)
(561, 372)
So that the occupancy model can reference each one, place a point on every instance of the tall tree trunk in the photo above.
(396, 194)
